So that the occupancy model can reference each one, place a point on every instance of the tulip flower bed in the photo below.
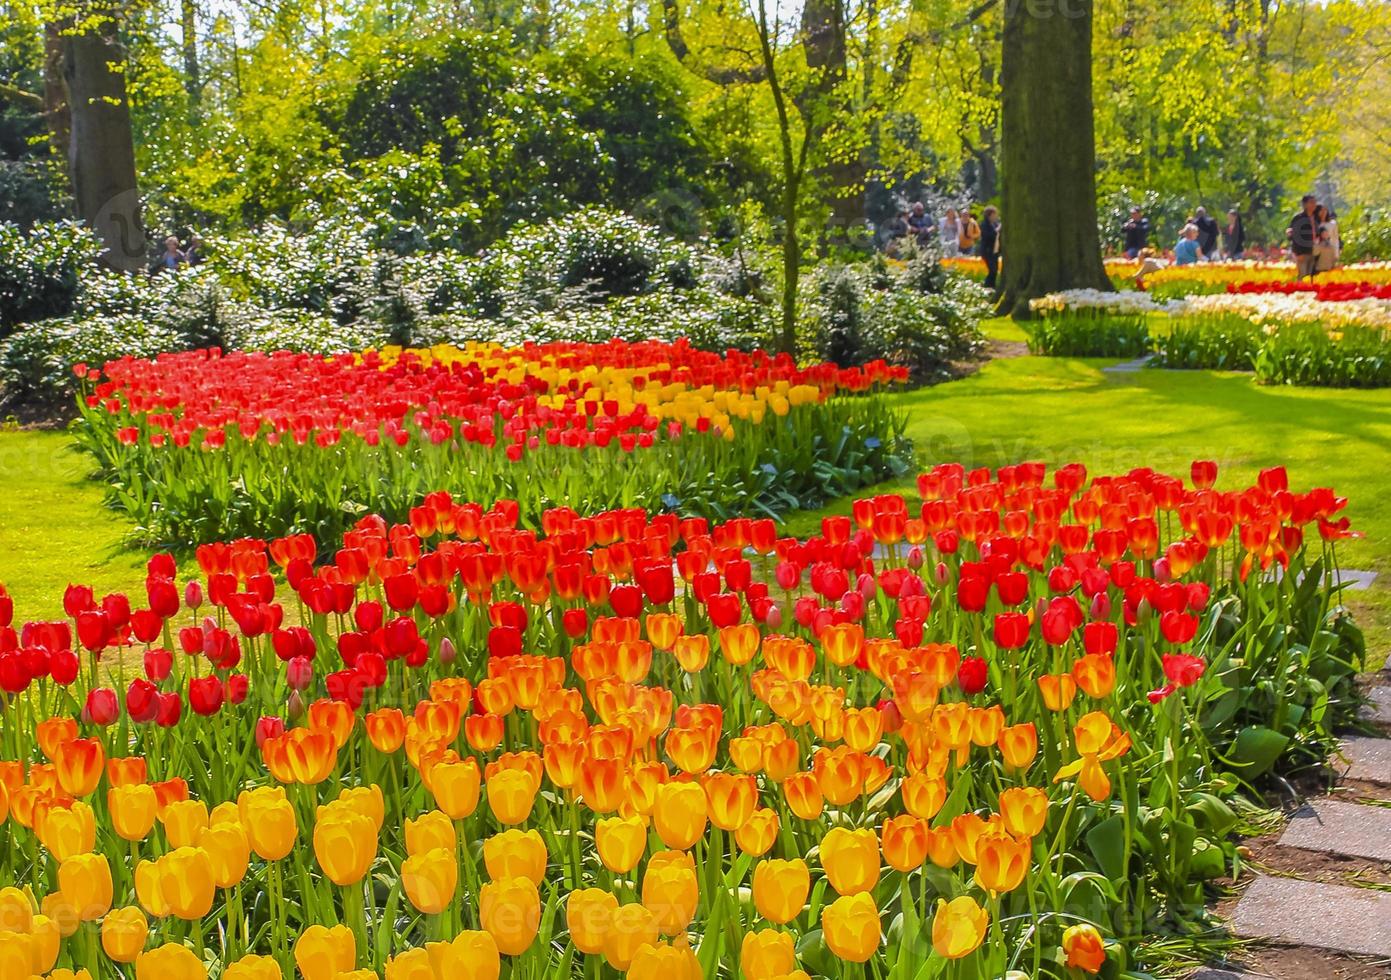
(1008, 726)
(1328, 292)
(202, 446)
(1301, 337)
(1178, 281)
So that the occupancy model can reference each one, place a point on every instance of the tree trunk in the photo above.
(101, 155)
(1048, 167)
(55, 90)
(193, 80)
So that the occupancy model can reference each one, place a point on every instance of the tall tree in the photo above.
(1050, 239)
(193, 76)
(101, 156)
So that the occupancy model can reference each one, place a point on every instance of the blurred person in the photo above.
(989, 246)
(1136, 232)
(1234, 235)
(1188, 249)
(1303, 235)
(1207, 232)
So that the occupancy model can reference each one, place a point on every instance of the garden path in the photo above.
(1321, 904)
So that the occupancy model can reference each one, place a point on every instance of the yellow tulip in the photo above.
(516, 854)
(123, 934)
(621, 842)
(169, 962)
(253, 967)
(589, 917)
(780, 889)
(767, 954)
(85, 881)
(851, 860)
(345, 844)
(430, 879)
(510, 911)
(133, 810)
(429, 831)
(322, 953)
(850, 926)
(959, 927)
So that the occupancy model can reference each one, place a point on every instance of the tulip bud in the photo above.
(193, 594)
(940, 575)
(774, 618)
(294, 706)
(1101, 606)
(447, 652)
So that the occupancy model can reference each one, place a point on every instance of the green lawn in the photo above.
(54, 529)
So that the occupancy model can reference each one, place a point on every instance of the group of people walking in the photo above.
(958, 232)
(1312, 236)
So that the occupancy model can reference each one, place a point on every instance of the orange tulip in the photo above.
(80, 763)
(757, 834)
(1002, 860)
(731, 799)
(1018, 744)
(1058, 690)
(1095, 674)
(386, 729)
(904, 842)
(692, 652)
(803, 794)
(842, 643)
(126, 771)
(923, 795)
(336, 718)
(484, 732)
(1084, 948)
(310, 754)
(1024, 809)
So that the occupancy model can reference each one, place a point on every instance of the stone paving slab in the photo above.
(1127, 367)
(1368, 759)
(1336, 827)
(1310, 913)
(1378, 708)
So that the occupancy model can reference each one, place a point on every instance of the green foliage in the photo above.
(1089, 334)
(37, 362)
(909, 314)
(39, 270)
(1367, 237)
(1217, 344)
(31, 191)
(1308, 354)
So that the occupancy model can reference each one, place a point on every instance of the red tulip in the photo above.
(102, 708)
(1011, 630)
(205, 695)
(972, 674)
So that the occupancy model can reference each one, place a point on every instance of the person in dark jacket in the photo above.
(1234, 235)
(989, 244)
(1137, 233)
(1207, 232)
(1303, 234)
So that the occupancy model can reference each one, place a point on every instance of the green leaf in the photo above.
(1257, 748)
